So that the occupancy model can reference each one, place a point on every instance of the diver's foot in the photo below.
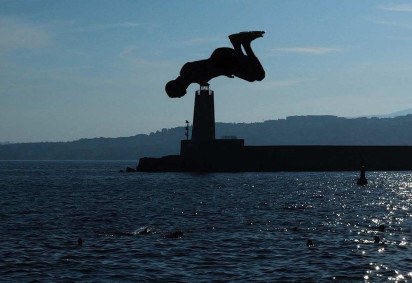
(245, 36)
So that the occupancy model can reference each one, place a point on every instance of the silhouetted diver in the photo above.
(224, 61)
(79, 241)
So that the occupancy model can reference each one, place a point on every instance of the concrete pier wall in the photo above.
(233, 156)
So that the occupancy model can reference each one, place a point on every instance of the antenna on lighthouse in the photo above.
(187, 130)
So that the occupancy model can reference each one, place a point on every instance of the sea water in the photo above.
(236, 227)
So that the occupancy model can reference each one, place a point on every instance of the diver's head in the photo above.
(175, 88)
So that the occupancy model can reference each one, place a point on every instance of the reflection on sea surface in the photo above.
(235, 227)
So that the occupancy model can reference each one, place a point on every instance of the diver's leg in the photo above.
(236, 42)
(251, 68)
(251, 72)
(248, 37)
(244, 37)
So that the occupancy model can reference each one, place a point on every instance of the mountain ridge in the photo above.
(293, 130)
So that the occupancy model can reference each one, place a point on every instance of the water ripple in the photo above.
(236, 227)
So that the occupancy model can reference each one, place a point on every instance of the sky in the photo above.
(96, 68)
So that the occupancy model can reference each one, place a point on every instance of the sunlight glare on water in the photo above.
(261, 227)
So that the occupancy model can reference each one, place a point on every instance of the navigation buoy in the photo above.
(362, 181)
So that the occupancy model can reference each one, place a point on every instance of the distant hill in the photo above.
(296, 130)
(156, 144)
(394, 114)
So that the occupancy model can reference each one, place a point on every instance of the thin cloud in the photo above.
(314, 50)
(392, 24)
(127, 51)
(96, 28)
(16, 33)
(396, 8)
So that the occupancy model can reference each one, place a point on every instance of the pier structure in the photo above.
(206, 153)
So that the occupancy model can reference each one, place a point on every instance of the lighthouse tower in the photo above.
(204, 115)
(204, 152)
